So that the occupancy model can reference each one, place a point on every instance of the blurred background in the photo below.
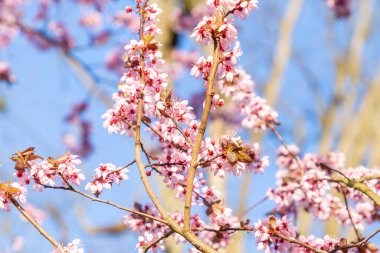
(316, 63)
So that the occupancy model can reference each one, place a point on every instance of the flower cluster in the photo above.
(174, 122)
(240, 8)
(274, 235)
(11, 190)
(306, 184)
(10, 13)
(341, 8)
(234, 82)
(231, 155)
(148, 229)
(143, 97)
(221, 219)
(6, 73)
(267, 234)
(44, 172)
(256, 113)
(104, 177)
(143, 77)
(72, 247)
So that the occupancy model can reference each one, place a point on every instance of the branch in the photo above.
(81, 68)
(296, 241)
(157, 241)
(95, 199)
(358, 244)
(121, 168)
(33, 222)
(283, 143)
(351, 183)
(349, 214)
(324, 165)
(137, 136)
(254, 206)
(187, 234)
(200, 134)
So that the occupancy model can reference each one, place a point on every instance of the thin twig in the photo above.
(349, 214)
(324, 165)
(358, 244)
(301, 243)
(254, 205)
(95, 199)
(166, 235)
(283, 143)
(121, 168)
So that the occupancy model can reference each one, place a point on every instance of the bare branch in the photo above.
(33, 222)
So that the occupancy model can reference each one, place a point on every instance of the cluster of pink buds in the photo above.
(104, 177)
(11, 190)
(6, 73)
(231, 155)
(341, 8)
(72, 247)
(306, 183)
(44, 172)
(268, 232)
(148, 229)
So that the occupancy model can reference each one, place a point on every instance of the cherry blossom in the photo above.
(91, 20)
(13, 190)
(104, 177)
(266, 231)
(185, 156)
(341, 8)
(6, 73)
(45, 172)
(72, 247)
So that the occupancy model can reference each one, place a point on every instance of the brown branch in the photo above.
(349, 214)
(33, 222)
(95, 199)
(179, 130)
(358, 244)
(140, 112)
(296, 241)
(157, 241)
(187, 234)
(355, 184)
(283, 143)
(121, 168)
(225, 229)
(324, 165)
(200, 134)
(161, 137)
(351, 183)
(254, 206)
(367, 178)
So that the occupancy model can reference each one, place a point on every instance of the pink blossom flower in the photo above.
(67, 168)
(72, 247)
(265, 233)
(91, 20)
(104, 177)
(6, 74)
